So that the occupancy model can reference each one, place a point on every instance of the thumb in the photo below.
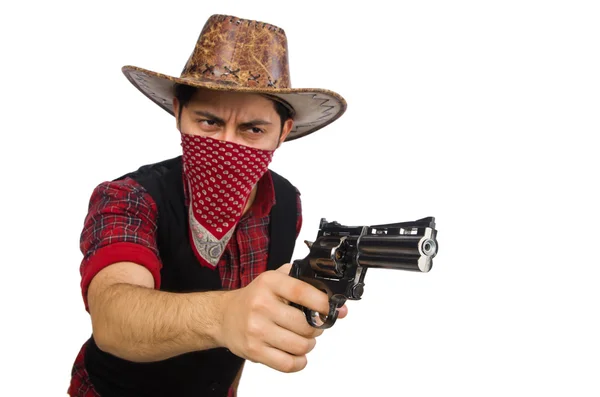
(285, 268)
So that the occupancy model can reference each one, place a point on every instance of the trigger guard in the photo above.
(329, 320)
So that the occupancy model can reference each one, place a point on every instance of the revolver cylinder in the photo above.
(327, 255)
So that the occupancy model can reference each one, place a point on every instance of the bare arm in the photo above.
(135, 322)
(132, 321)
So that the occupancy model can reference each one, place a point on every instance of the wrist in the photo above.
(215, 308)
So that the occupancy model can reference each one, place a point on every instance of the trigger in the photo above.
(326, 321)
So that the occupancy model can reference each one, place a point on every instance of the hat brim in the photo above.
(314, 107)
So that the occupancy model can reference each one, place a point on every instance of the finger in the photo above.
(342, 311)
(282, 361)
(289, 342)
(294, 320)
(301, 293)
(285, 268)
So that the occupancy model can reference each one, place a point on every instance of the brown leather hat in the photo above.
(234, 54)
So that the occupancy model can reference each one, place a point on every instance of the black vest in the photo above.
(203, 373)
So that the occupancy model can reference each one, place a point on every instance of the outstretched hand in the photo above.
(258, 323)
(342, 311)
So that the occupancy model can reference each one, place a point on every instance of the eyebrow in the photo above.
(209, 115)
(256, 122)
(219, 120)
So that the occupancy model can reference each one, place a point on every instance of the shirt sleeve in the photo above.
(120, 226)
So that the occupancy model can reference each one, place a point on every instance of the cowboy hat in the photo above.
(241, 55)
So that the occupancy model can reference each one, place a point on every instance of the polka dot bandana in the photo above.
(221, 176)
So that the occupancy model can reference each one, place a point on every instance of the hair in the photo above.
(184, 94)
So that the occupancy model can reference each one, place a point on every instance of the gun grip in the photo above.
(311, 315)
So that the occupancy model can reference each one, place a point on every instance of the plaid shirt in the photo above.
(121, 225)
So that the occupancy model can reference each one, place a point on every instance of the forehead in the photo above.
(231, 100)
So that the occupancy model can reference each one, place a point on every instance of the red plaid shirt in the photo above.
(121, 227)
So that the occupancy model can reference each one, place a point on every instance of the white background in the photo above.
(482, 114)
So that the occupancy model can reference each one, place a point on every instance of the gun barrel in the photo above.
(389, 245)
(406, 262)
(403, 252)
(396, 263)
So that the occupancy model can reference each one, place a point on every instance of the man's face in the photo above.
(245, 119)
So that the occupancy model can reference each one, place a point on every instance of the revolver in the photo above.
(340, 256)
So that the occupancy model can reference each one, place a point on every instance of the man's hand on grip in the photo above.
(258, 323)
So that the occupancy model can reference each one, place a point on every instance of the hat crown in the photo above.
(240, 52)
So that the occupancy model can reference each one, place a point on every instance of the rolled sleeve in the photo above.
(120, 226)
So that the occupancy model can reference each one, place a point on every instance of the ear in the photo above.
(287, 128)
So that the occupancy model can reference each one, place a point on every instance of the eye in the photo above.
(208, 122)
(208, 125)
(256, 130)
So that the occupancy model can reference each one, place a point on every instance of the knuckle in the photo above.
(297, 291)
(288, 365)
(245, 347)
(253, 328)
(299, 317)
(259, 303)
(312, 344)
(253, 348)
(261, 279)
(306, 345)
(323, 303)
(267, 276)
(306, 330)
(301, 363)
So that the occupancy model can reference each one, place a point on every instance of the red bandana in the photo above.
(221, 176)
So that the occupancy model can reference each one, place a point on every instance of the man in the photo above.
(186, 262)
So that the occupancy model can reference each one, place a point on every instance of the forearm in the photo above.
(142, 324)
